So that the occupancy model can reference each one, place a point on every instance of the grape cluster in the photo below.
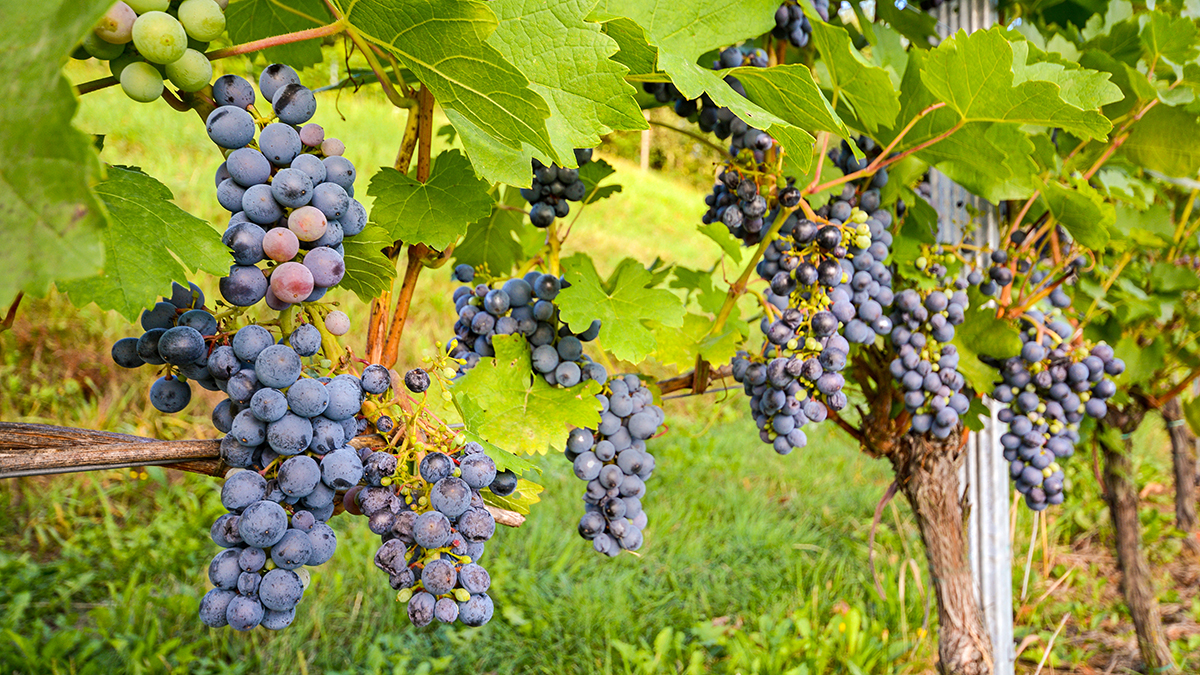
(792, 25)
(147, 40)
(294, 428)
(292, 196)
(553, 188)
(926, 364)
(843, 157)
(616, 465)
(434, 529)
(1049, 388)
(737, 202)
(522, 307)
(717, 119)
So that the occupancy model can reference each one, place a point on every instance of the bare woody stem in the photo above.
(416, 252)
(877, 164)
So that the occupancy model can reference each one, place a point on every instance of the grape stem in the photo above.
(11, 315)
(408, 144)
(278, 40)
(820, 161)
(737, 288)
(724, 152)
(883, 161)
(383, 347)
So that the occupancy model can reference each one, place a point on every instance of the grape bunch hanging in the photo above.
(524, 307)
(147, 40)
(614, 461)
(553, 189)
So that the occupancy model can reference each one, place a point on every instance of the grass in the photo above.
(753, 563)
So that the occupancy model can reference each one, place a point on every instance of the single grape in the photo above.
(159, 37)
(203, 20)
(116, 26)
(192, 71)
(311, 135)
(141, 82)
(331, 147)
(337, 323)
(262, 524)
(291, 282)
(274, 77)
(280, 244)
(311, 166)
(306, 339)
(308, 223)
(339, 170)
(326, 266)
(170, 394)
(234, 91)
(294, 104)
(279, 143)
(331, 199)
(417, 380)
(229, 126)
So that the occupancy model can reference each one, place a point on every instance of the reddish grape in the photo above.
(280, 244)
(308, 223)
(291, 282)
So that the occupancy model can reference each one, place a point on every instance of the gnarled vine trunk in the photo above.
(1122, 497)
(927, 473)
(1183, 454)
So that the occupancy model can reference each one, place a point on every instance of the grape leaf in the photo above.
(679, 345)
(435, 212)
(719, 233)
(981, 333)
(1167, 37)
(473, 417)
(368, 271)
(683, 31)
(1191, 412)
(791, 88)
(635, 54)
(910, 22)
(1081, 209)
(249, 20)
(51, 217)
(592, 174)
(567, 62)
(522, 413)
(973, 74)
(1169, 278)
(866, 89)
(708, 297)
(497, 242)
(146, 240)
(526, 495)
(623, 304)
(1166, 140)
(1078, 86)
(444, 43)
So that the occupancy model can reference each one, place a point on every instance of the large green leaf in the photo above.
(146, 239)
(1166, 140)
(368, 271)
(435, 212)
(790, 92)
(623, 304)
(679, 346)
(567, 61)
(973, 74)
(522, 413)
(683, 31)
(51, 219)
(474, 419)
(591, 175)
(866, 89)
(445, 44)
(500, 240)
(1082, 210)
(249, 20)
(635, 53)
(1167, 37)
(1082, 88)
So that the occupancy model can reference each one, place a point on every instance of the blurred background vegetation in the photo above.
(754, 563)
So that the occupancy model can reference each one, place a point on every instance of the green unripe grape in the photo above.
(192, 72)
(143, 6)
(202, 19)
(141, 82)
(118, 64)
(101, 49)
(863, 241)
(159, 37)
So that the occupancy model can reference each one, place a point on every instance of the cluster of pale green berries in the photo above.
(145, 41)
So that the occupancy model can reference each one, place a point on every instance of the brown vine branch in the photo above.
(277, 40)
(877, 165)
(43, 449)
(687, 380)
(11, 315)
